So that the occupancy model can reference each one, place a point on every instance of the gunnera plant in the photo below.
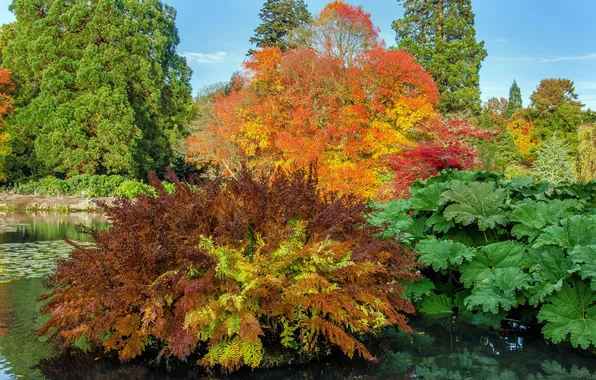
(228, 269)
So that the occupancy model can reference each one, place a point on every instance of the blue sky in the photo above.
(527, 40)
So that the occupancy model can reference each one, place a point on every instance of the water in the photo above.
(446, 348)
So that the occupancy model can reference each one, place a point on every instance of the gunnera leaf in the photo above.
(585, 257)
(438, 223)
(550, 267)
(394, 216)
(436, 304)
(576, 230)
(499, 292)
(475, 202)
(416, 290)
(490, 260)
(570, 315)
(440, 254)
(427, 198)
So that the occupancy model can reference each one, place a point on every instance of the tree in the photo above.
(101, 87)
(6, 107)
(585, 162)
(442, 37)
(279, 17)
(341, 31)
(553, 163)
(555, 108)
(302, 106)
(445, 143)
(515, 101)
(7, 32)
(493, 113)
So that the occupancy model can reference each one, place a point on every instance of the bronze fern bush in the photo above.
(229, 269)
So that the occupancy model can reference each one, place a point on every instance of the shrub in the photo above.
(495, 250)
(132, 188)
(231, 268)
(48, 186)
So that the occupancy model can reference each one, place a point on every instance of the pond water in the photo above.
(30, 245)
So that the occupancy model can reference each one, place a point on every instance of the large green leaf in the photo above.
(440, 254)
(550, 267)
(570, 315)
(394, 216)
(427, 198)
(492, 258)
(585, 257)
(436, 304)
(416, 290)
(475, 202)
(577, 230)
(499, 291)
(439, 223)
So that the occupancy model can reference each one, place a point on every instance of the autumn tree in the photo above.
(555, 108)
(279, 17)
(303, 106)
(101, 87)
(341, 31)
(6, 107)
(515, 101)
(444, 143)
(585, 162)
(493, 113)
(442, 37)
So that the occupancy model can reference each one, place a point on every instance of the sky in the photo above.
(526, 40)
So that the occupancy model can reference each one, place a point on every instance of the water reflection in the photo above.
(438, 349)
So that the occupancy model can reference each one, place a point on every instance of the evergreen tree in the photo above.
(279, 17)
(515, 100)
(552, 162)
(442, 37)
(101, 87)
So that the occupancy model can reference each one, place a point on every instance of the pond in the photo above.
(443, 348)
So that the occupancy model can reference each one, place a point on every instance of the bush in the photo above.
(132, 188)
(48, 186)
(229, 269)
(495, 250)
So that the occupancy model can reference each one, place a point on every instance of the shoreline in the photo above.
(59, 203)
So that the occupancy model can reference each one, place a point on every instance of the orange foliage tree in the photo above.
(303, 106)
(524, 134)
(6, 107)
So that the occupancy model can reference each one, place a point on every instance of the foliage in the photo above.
(514, 103)
(442, 37)
(278, 19)
(495, 249)
(585, 162)
(444, 144)
(229, 269)
(493, 113)
(302, 106)
(7, 32)
(555, 109)
(6, 108)
(85, 185)
(553, 162)
(341, 31)
(101, 88)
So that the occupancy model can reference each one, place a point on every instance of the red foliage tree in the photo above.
(304, 106)
(445, 144)
(6, 107)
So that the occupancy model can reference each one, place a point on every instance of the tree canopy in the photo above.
(279, 18)
(442, 37)
(101, 87)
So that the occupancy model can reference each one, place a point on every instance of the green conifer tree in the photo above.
(279, 17)
(515, 101)
(442, 37)
(101, 87)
